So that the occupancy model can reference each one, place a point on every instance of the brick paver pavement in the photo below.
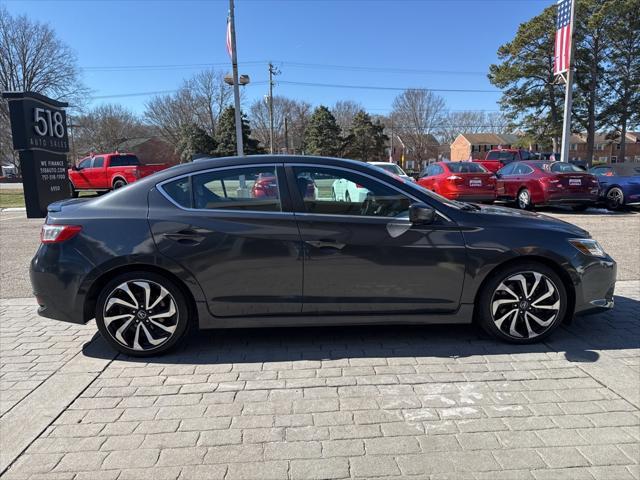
(367, 402)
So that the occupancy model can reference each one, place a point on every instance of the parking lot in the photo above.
(367, 402)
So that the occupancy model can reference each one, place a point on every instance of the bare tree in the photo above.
(345, 111)
(33, 59)
(416, 116)
(295, 112)
(199, 101)
(455, 123)
(104, 128)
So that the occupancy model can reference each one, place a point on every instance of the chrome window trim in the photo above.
(375, 179)
(162, 191)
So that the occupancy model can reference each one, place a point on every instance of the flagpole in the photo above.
(568, 96)
(236, 85)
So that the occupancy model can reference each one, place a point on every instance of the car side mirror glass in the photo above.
(421, 214)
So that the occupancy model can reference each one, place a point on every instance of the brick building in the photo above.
(606, 150)
(476, 145)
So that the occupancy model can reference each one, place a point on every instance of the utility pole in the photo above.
(286, 135)
(236, 85)
(272, 72)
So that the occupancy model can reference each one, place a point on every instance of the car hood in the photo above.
(530, 219)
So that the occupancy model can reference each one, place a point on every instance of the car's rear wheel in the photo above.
(615, 198)
(119, 183)
(142, 314)
(524, 200)
(523, 303)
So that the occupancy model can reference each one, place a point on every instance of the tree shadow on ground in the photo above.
(579, 341)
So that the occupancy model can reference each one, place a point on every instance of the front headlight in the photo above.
(588, 246)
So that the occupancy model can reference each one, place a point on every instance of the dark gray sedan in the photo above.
(263, 241)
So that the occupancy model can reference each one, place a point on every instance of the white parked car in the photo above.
(342, 190)
(392, 168)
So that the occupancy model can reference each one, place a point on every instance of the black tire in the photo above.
(614, 199)
(73, 191)
(579, 208)
(180, 322)
(523, 200)
(521, 322)
(118, 183)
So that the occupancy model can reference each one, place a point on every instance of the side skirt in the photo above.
(463, 315)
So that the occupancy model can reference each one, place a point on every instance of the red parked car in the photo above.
(466, 181)
(546, 183)
(109, 171)
(495, 159)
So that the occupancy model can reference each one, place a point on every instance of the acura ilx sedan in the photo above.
(196, 246)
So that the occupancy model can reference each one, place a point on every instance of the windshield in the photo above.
(390, 167)
(504, 156)
(562, 167)
(466, 167)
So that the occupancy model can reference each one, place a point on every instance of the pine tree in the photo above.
(193, 140)
(226, 135)
(322, 136)
(366, 139)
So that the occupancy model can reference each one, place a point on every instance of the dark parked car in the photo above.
(546, 183)
(619, 184)
(192, 247)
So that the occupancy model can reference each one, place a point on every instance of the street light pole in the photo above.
(236, 85)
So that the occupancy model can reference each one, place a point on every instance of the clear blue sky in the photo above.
(435, 35)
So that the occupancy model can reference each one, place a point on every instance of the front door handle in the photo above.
(326, 244)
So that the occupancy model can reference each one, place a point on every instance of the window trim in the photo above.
(275, 166)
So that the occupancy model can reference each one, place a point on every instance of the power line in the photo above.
(372, 87)
(357, 68)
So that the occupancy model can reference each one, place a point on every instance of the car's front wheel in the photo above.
(142, 314)
(523, 303)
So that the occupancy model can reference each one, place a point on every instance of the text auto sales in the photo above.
(48, 142)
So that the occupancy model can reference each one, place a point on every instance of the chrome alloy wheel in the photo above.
(140, 314)
(525, 305)
(524, 199)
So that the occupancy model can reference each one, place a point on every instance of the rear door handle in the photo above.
(326, 244)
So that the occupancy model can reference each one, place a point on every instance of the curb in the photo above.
(13, 209)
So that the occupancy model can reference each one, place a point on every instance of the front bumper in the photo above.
(595, 290)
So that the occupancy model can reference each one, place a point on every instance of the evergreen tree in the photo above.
(622, 83)
(322, 136)
(193, 140)
(531, 98)
(366, 139)
(226, 135)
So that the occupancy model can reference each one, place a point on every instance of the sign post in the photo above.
(39, 131)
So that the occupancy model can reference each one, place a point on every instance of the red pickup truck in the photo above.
(494, 160)
(109, 171)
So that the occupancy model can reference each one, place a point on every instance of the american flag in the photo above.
(229, 49)
(564, 28)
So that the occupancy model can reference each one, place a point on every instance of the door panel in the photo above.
(248, 263)
(367, 257)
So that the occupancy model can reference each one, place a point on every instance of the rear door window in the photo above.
(98, 162)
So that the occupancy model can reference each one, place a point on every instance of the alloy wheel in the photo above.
(615, 198)
(140, 314)
(525, 305)
(524, 199)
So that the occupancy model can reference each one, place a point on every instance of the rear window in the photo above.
(562, 167)
(502, 156)
(180, 191)
(466, 167)
(124, 161)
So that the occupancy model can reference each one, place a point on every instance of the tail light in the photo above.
(359, 186)
(550, 180)
(58, 233)
(455, 178)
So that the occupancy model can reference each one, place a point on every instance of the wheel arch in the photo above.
(118, 177)
(96, 287)
(556, 267)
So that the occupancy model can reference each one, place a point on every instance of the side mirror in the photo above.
(74, 167)
(498, 175)
(421, 214)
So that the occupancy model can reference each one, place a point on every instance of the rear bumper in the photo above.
(567, 198)
(56, 280)
(481, 196)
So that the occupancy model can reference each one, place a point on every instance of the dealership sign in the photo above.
(39, 131)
